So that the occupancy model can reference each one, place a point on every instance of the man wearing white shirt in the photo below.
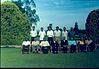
(25, 46)
(64, 33)
(50, 35)
(57, 34)
(33, 34)
(42, 34)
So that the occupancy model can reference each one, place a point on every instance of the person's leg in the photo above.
(65, 49)
(33, 49)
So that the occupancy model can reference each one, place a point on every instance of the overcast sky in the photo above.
(64, 12)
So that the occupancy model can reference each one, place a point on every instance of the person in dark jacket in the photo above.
(64, 44)
(55, 46)
(92, 46)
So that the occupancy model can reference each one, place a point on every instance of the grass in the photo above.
(12, 58)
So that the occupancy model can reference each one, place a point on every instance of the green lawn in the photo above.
(12, 57)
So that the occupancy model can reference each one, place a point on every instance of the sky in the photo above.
(64, 12)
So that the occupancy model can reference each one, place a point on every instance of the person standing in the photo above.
(50, 35)
(57, 34)
(64, 33)
(42, 34)
(33, 34)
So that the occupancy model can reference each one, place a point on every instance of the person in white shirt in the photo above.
(50, 35)
(57, 34)
(45, 46)
(33, 33)
(42, 34)
(25, 46)
(35, 46)
(65, 33)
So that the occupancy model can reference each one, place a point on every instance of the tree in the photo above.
(28, 7)
(76, 27)
(15, 26)
(92, 25)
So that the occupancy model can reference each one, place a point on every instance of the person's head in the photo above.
(49, 28)
(71, 29)
(64, 28)
(57, 28)
(41, 28)
(33, 27)
(64, 38)
(50, 25)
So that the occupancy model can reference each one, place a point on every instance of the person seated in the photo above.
(64, 44)
(25, 46)
(55, 46)
(72, 43)
(35, 46)
(81, 45)
(44, 46)
(91, 46)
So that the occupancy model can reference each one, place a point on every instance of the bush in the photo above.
(15, 26)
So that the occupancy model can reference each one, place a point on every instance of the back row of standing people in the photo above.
(52, 35)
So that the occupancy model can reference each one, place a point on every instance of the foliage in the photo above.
(28, 7)
(15, 26)
(92, 25)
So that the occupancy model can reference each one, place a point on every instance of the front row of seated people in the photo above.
(65, 45)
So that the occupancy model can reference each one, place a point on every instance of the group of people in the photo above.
(55, 41)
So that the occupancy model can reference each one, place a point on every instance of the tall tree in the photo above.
(76, 29)
(15, 26)
(92, 25)
(28, 7)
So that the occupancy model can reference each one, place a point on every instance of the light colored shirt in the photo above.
(42, 34)
(88, 41)
(81, 42)
(44, 43)
(33, 33)
(65, 34)
(57, 33)
(35, 43)
(70, 42)
(50, 33)
(26, 43)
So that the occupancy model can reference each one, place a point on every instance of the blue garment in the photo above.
(70, 42)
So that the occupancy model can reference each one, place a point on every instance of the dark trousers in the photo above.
(82, 48)
(50, 40)
(73, 48)
(91, 48)
(25, 49)
(64, 49)
(32, 39)
(45, 50)
(54, 50)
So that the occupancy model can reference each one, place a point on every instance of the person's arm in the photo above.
(52, 33)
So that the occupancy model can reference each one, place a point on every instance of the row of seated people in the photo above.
(64, 46)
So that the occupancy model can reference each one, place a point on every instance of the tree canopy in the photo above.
(15, 26)
(92, 25)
